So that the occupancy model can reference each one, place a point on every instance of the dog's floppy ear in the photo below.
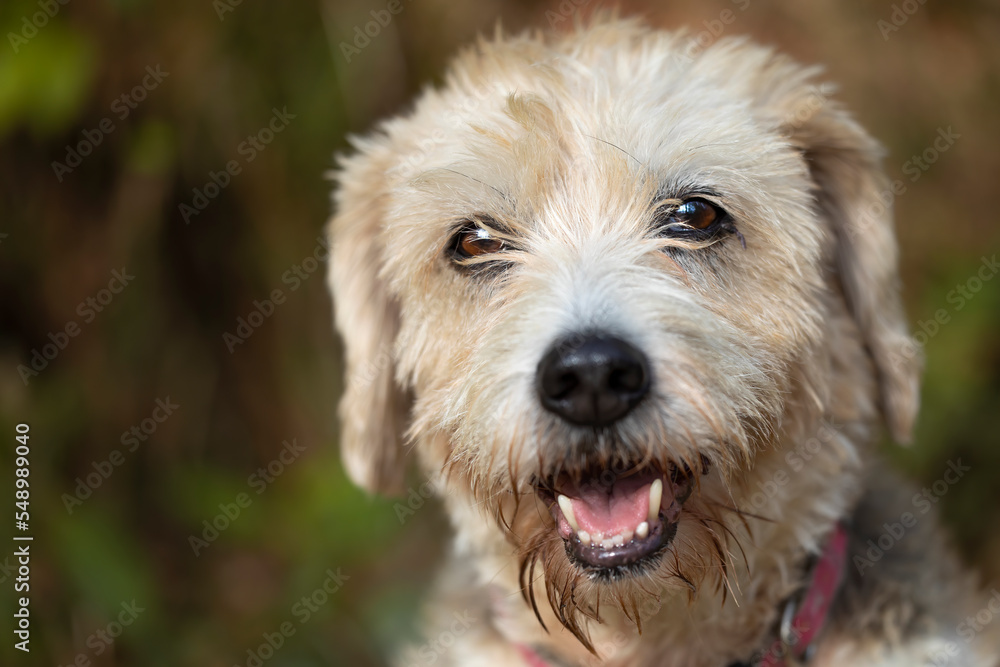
(855, 195)
(373, 409)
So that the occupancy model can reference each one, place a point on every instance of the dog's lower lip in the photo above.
(633, 552)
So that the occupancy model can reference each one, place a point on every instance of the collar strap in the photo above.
(530, 657)
(805, 615)
(803, 618)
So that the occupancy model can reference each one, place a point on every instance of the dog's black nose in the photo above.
(592, 380)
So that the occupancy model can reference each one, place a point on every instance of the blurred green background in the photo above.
(200, 79)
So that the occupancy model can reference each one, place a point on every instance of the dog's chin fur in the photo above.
(777, 346)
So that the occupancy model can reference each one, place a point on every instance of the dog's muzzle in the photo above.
(609, 520)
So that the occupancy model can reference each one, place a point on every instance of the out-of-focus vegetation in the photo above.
(211, 75)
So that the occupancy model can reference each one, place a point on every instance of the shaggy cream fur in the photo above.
(777, 347)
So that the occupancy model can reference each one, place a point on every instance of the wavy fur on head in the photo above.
(776, 344)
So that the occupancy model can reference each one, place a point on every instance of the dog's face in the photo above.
(591, 279)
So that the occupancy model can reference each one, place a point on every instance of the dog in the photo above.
(630, 304)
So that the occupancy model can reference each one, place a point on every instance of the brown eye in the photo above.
(694, 220)
(696, 213)
(476, 241)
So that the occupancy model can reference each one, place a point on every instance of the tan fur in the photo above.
(568, 141)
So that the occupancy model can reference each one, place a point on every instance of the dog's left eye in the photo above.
(475, 241)
(695, 221)
(696, 214)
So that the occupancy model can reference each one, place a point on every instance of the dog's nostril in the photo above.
(627, 379)
(593, 380)
(562, 385)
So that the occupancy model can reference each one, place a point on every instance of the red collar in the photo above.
(803, 620)
(803, 617)
(531, 659)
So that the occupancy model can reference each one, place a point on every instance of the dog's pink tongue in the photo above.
(604, 511)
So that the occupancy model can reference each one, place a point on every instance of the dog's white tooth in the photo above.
(608, 543)
(627, 536)
(655, 496)
(642, 530)
(584, 538)
(618, 539)
(566, 505)
(597, 538)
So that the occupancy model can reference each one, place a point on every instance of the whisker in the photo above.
(603, 141)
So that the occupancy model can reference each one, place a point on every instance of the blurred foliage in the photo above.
(229, 66)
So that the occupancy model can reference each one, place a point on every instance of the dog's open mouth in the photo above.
(609, 521)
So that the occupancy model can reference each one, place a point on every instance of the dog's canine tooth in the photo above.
(642, 530)
(655, 496)
(566, 505)
(584, 538)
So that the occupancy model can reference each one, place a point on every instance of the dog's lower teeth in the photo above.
(627, 536)
(642, 530)
(607, 543)
(584, 537)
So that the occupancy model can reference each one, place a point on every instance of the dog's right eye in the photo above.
(473, 240)
(477, 242)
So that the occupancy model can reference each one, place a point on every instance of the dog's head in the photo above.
(598, 275)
